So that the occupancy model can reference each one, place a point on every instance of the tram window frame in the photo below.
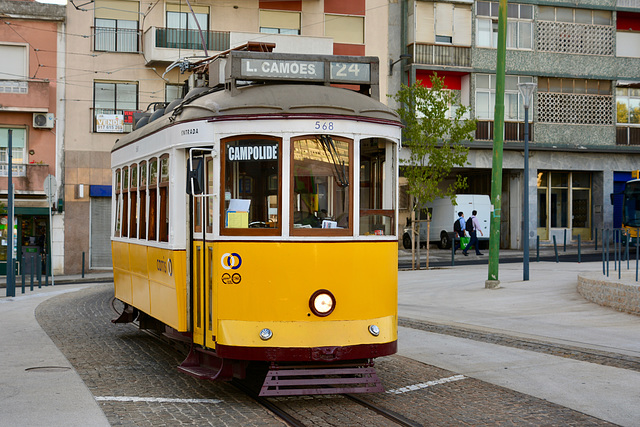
(118, 195)
(210, 180)
(249, 231)
(163, 185)
(319, 231)
(153, 199)
(133, 195)
(375, 169)
(142, 217)
(125, 202)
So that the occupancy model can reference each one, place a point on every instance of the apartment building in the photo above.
(31, 62)
(585, 116)
(123, 57)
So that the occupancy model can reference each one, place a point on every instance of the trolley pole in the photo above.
(492, 281)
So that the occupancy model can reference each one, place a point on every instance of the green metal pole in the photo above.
(498, 141)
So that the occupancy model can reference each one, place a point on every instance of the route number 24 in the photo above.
(323, 125)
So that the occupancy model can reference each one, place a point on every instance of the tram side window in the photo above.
(125, 202)
(164, 198)
(118, 203)
(153, 197)
(142, 223)
(134, 201)
(321, 192)
(251, 186)
(210, 200)
(377, 192)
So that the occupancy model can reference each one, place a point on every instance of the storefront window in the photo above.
(321, 193)
(251, 187)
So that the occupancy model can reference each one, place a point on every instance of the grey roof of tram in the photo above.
(273, 99)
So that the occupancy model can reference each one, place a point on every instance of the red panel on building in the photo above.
(294, 5)
(628, 21)
(452, 81)
(348, 49)
(345, 7)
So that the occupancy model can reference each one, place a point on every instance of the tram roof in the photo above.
(278, 100)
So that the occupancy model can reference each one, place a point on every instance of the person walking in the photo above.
(473, 226)
(458, 229)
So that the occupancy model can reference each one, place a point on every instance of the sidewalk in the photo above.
(545, 308)
(38, 385)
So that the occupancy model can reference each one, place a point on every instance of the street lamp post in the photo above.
(526, 89)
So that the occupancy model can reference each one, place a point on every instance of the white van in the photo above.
(444, 213)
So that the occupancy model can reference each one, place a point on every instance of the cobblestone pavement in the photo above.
(120, 361)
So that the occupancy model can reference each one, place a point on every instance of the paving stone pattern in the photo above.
(118, 360)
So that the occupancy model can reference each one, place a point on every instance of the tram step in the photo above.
(305, 380)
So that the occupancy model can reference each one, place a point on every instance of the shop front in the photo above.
(31, 237)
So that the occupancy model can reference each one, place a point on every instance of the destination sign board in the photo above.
(305, 70)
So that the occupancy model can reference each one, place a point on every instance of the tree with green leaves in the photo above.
(434, 133)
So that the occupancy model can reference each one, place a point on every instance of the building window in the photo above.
(252, 202)
(13, 68)
(628, 105)
(116, 26)
(575, 101)
(442, 23)
(564, 201)
(116, 35)
(110, 101)
(321, 194)
(182, 28)
(581, 31)
(519, 25)
(344, 29)
(173, 92)
(486, 94)
(277, 22)
(18, 144)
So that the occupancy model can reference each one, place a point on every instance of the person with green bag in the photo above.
(461, 240)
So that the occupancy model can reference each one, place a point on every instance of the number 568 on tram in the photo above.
(259, 223)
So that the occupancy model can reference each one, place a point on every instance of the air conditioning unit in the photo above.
(43, 120)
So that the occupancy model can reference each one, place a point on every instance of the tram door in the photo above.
(203, 292)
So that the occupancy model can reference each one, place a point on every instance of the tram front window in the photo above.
(251, 186)
(321, 193)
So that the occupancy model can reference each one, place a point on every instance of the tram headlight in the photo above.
(322, 303)
(266, 334)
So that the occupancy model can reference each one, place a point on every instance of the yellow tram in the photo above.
(257, 219)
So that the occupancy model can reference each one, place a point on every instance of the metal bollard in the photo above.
(22, 265)
(596, 240)
(83, 264)
(637, 240)
(603, 270)
(453, 253)
(579, 255)
(32, 272)
(46, 270)
(537, 248)
(565, 240)
(626, 251)
(608, 251)
(40, 274)
(555, 248)
(620, 257)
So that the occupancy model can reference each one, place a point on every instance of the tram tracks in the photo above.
(600, 357)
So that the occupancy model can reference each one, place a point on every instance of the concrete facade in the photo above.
(32, 41)
(570, 136)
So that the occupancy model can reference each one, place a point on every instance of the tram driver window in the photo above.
(251, 203)
(321, 191)
(377, 189)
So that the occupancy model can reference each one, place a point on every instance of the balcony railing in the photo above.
(627, 135)
(174, 38)
(14, 86)
(430, 54)
(513, 131)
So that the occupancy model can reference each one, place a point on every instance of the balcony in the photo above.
(24, 96)
(28, 178)
(431, 54)
(165, 45)
(513, 131)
